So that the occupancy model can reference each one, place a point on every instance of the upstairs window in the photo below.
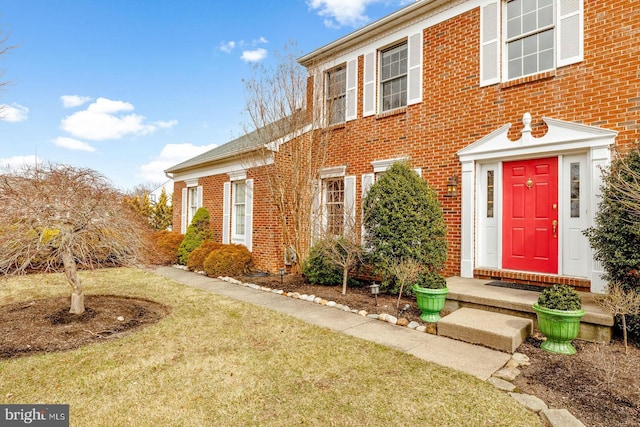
(336, 95)
(393, 73)
(530, 30)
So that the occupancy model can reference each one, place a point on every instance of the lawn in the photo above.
(216, 361)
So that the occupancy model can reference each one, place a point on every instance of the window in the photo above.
(393, 81)
(490, 193)
(336, 95)
(334, 206)
(530, 32)
(575, 190)
(193, 203)
(239, 200)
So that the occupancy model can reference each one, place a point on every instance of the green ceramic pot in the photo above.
(560, 327)
(430, 302)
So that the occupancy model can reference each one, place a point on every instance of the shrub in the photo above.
(228, 260)
(403, 220)
(560, 297)
(431, 281)
(320, 269)
(166, 244)
(198, 231)
(616, 233)
(196, 258)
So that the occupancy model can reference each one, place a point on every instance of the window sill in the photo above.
(394, 112)
(336, 126)
(528, 79)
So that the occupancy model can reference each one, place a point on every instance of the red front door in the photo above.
(530, 221)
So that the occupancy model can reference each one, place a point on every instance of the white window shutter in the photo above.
(367, 181)
(352, 85)
(349, 203)
(570, 32)
(199, 195)
(414, 70)
(183, 218)
(248, 214)
(490, 44)
(316, 217)
(369, 85)
(226, 212)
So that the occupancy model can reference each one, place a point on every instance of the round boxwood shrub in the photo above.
(195, 261)
(319, 269)
(431, 280)
(560, 297)
(198, 231)
(228, 260)
(403, 220)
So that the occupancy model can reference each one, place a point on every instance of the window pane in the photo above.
(529, 64)
(575, 190)
(515, 68)
(514, 8)
(515, 49)
(545, 40)
(529, 5)
(545, 16)
(546, 60)
(490, 194)
(514, 28)
(529, 22)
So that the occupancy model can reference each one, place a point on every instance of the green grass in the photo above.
(219, 362)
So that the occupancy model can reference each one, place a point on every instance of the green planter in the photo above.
(560, 327)
(430, 302)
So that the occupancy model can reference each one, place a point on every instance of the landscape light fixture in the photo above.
(281, 271)
(375, 290)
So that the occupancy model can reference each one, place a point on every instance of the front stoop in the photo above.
(494, 330)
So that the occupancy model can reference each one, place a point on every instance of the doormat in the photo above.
(521, 286)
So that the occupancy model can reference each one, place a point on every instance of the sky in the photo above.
(130, 88)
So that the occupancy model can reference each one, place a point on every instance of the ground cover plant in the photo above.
(215, 361)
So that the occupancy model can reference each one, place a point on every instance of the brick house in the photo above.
(508, 109)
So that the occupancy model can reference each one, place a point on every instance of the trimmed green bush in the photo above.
(560, 297)
(198, 231)
(319, 269)
(403, 220)
(195, 261)
(431, 281)
(228, 260)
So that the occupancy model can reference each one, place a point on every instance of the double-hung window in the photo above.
(530, 26)
(239, 201)
(336, 94)
(334, 206)
(393, 77)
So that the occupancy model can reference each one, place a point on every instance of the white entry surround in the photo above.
(585, 147)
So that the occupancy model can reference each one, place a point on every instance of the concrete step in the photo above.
(494, 330)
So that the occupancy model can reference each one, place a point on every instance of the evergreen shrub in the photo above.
(198, 231)
(319, 269)
(560, 297)
(403, 220)
(615, 237)
(228, 260)
(195, 261)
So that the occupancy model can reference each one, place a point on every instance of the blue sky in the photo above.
(129, 88)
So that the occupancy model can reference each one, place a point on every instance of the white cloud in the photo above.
(340, 13)
(227, 47)
(70, 101)
(254, 55)
(73, 144)
(13, 113)
(170, 155)
(101, 121)
(16, 162)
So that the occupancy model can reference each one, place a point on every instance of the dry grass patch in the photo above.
(216, 361)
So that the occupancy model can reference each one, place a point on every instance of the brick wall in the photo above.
(603, 90)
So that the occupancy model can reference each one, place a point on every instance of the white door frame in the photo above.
(562, 139)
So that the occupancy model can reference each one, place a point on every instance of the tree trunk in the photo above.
(345, 279)
(71, 272)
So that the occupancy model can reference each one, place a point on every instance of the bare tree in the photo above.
(291, 148)
(57, 217)
(404, 270)
(4, 49)
(621, 302)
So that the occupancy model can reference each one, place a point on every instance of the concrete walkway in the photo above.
(471, 359)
